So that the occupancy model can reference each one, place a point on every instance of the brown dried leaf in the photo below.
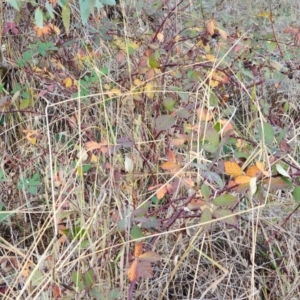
(196, 204)
(144, 269)
(149, 257)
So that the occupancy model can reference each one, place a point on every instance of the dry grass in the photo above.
(70, 226)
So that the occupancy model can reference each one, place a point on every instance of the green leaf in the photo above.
(296, 194)
(3, 214)
(212, 137)
(266, 133)
(205, 190)
(164, 122)
(169, 103)
(66, 17)
(89, 278)
(282, 171)
(213, 99)
(221, 213)
(37, 278)
(50, 10)
(152, 62)
(96, 294)
(210, 148)
(206, 217)
(224, 200)
(136, 232)
(77, 279)
(35, 179)
(151, 222)
(39, 17)
(16, 4)
(108, 2)
(86, 7)
(2, 177)
(79, 233)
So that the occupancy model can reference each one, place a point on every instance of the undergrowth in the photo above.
(151, 151)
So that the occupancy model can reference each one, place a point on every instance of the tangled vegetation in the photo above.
(150, 149)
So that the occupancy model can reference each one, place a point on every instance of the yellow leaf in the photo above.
(160, 37)
(137, 82)
(232, 168)
(31, 136)
(94, 158)
(55, 29)
(149, 90)
(260, 165)
(207, 48)
(38, 70)
(265, 14)
(210, 57)
(68, 82)
(115, 92)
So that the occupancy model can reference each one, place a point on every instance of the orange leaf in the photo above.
(92, 145)
(210, 26)
(56, 291)
(253, 171)
(232, 168)
(161, 192)
(204, 114)
(26, 269)
(45, 30)
(171, 156)
(132, 271)
(242, 179)
(169, 165)
(138, 249)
